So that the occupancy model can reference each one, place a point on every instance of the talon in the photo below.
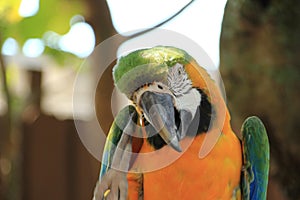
(106, 193)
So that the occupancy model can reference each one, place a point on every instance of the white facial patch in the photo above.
(189, 101)
(178, 80)
(187, 97)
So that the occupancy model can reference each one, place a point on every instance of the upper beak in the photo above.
(159, 111)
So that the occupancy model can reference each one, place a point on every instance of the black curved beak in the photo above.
(159, 112)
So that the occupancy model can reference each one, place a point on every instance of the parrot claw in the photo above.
(114, 183)
(113, 186)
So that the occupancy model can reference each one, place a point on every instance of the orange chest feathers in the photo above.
(186, 176)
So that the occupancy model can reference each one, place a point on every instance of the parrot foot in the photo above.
(113, 186)
(114, 183)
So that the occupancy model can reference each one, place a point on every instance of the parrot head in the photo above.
(156, 81)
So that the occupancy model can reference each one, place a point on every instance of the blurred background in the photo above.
(43, 44)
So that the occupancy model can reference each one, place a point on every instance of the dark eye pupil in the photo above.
(160, 87)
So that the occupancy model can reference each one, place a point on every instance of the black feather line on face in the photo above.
(205, 109)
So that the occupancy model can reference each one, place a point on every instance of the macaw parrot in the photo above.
(175, 140)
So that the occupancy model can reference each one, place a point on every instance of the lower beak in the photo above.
(159, 111)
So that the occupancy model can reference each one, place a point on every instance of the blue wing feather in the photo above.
(256, 153)
(114, 136)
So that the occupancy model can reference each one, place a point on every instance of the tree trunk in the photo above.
(260, 68)
(99, 18)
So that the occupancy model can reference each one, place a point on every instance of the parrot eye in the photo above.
(159, 87)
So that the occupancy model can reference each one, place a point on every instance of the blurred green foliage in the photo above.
(53, 15)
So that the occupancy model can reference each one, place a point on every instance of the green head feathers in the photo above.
(146, 66)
